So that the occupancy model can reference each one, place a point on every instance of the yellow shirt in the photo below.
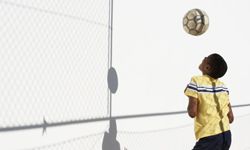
(213, 100)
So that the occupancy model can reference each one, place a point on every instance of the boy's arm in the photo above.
(230, 114)
(192, 107)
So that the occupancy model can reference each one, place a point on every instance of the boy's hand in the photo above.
(230, 114)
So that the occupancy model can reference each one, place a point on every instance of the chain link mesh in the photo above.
(53, 60)
(91, 142)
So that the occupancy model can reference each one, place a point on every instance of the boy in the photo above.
(209, 105)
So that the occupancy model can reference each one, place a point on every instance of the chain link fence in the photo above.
(53, 61)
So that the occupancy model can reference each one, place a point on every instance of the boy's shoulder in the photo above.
(204, 79)
(197, 78)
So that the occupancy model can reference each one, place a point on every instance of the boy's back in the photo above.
(213, 101)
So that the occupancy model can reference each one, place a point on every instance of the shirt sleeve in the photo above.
(192, 89)
(225, 89)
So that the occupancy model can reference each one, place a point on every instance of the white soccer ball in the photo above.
(195, 22)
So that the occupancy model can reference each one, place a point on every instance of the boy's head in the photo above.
(214, 65)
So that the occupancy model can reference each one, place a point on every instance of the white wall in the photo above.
(155, 59)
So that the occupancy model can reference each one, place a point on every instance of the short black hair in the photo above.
(218, 66)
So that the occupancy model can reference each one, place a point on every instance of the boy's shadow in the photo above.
(109, 139)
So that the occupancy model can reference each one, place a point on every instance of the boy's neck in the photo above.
(205, 74)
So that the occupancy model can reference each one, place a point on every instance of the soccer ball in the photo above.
(195, 22)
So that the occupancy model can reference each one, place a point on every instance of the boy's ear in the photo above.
(208, 67)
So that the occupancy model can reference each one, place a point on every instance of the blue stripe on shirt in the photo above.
(194, 85)
(208, 90)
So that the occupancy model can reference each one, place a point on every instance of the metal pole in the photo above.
(110, 49)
